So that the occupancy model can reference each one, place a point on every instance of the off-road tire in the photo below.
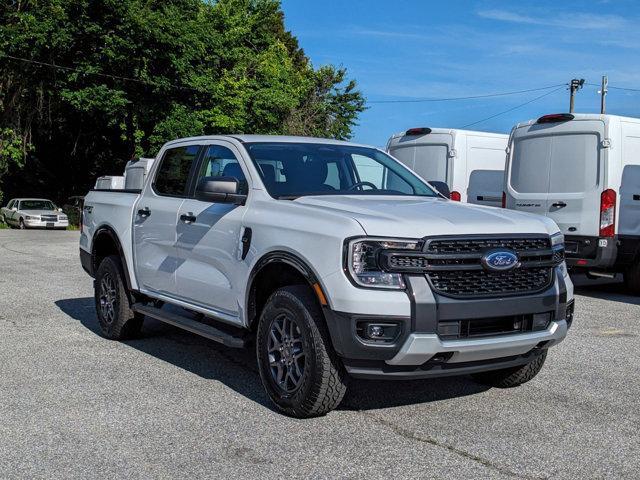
(124, 323)
(511, 377)
(324, 380)
(632, 278)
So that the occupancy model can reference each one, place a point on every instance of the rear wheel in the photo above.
(300, 371)
(512, 377)
(117, 320)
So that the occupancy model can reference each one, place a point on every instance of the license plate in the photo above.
(51, 225)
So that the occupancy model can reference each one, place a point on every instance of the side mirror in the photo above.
(14, 209)
(59, 209)
(220, 190)
(441, 187)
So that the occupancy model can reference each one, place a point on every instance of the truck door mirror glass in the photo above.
(220, 190)
(441, 187)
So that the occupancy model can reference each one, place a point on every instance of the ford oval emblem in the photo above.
(500, 260)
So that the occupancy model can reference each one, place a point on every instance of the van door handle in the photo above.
(188, 217)
(144, 212)
(559, 204)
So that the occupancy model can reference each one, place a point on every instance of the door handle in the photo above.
(559, 204)
(188, 217)
(636, 197)
(144, 212)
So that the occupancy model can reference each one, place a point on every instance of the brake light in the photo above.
(555, 118)
(504, 199)
(608, 213)
(418, 131)
(455, 196)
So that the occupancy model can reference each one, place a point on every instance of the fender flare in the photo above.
(277, 256)
(110, 232)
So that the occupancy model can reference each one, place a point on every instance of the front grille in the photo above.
(480, 283)
(49, 218)
(453, 265)
(480, 245)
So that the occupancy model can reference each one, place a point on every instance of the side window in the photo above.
(10, 204)
(219, 161)
(173, 174)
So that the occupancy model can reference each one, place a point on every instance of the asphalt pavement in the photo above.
(174, 405)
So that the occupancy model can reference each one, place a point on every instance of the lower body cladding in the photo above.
(448, 336)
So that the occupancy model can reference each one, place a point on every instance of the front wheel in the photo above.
(117, 320)
(21, 225)
(300, 371)
(512, 377)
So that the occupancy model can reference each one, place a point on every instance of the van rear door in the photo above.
(558, 172)
(426, 155)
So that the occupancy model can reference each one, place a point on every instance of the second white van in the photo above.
(470, 163)
(583, 171)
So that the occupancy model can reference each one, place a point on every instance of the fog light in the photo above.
(375, 331)
(541, 321)
(569, 313)
(378, 332)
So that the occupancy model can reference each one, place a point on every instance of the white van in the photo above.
(470, 163)
(583, 171)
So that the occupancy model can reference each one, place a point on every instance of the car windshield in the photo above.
(291, 170)
(36, 205)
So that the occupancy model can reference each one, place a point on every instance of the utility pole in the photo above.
(574, 86)
(603, 94)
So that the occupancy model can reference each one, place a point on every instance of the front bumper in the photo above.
(420, 352)
(40, 224)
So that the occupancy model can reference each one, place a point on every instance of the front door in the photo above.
(155, 217)
(208, 239)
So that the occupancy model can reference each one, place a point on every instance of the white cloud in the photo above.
(582, 21)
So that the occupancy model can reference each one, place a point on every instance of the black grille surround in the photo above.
(453, 267)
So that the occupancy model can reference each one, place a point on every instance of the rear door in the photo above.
(559, 174)
(428, 156)
(155, 217)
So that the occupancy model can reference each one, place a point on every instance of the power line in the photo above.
(98, 74)
(471, 97)
(514, 108)
(616, 88)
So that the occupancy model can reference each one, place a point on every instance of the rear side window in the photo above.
(10, 204)
(173, 175)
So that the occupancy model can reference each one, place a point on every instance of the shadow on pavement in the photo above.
(604, 289)
(237, 368)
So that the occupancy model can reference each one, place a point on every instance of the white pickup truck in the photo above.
(334, 259)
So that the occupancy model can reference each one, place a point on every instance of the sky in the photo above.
(409, 50)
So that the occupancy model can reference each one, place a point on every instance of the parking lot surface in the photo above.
(173, 405)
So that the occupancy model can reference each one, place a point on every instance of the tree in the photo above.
(129, 75)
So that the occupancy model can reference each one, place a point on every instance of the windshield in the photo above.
(291, 170)
(36, 205)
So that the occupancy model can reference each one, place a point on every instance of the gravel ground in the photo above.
(173, 405)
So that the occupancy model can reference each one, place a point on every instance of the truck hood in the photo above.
(414, 217)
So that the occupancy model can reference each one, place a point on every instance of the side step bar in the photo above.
(190, 325)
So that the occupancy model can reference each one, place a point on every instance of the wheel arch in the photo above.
(287, 269)
(105, 242)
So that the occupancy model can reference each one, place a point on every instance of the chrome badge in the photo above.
(500, 260)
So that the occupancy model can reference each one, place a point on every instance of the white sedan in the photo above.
(33, 213)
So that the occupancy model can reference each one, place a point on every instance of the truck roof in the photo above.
(585, 116)
(243, 138)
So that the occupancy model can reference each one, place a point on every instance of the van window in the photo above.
(555, 164)
(428, 161)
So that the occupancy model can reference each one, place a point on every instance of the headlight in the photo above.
(31, 217)
(557, 239)
(363, 262)
(63, 217)
(562, 269)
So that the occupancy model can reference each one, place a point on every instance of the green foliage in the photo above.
(144, 72)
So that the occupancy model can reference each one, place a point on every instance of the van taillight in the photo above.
(608, 213)
(455, 196)
(504, 199)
